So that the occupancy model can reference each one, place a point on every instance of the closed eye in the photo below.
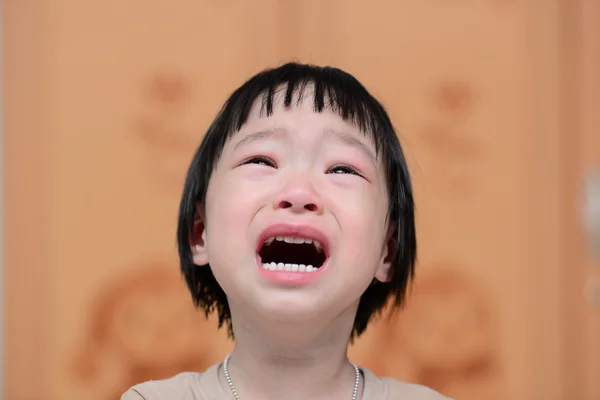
(343, 169)
(260, 161)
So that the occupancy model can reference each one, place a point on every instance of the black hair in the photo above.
(333, 89)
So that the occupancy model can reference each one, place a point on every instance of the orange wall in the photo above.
(106, 101)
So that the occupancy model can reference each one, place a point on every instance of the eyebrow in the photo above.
(258, 136)
(345, 137)
(352, 141)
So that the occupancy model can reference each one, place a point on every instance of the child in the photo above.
(296, 226)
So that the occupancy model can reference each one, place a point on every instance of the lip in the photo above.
(294, 230)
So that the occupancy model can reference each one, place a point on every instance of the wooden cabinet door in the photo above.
(105, 103)
(474, 89)
(581, 143)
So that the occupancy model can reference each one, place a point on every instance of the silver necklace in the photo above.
(237, 397)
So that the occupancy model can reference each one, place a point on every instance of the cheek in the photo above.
(362, 217)
(231, 206)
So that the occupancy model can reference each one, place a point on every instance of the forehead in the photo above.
(298, 118)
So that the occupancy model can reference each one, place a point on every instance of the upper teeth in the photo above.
(295, 240)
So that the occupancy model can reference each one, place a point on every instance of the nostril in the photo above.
(285, 204)
(311, 207)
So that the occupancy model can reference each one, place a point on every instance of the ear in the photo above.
(388, 254)
(198, 241)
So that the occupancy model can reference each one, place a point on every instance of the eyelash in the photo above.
(260, 160)
(345, 169)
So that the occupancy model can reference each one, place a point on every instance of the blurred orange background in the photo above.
(496, 103)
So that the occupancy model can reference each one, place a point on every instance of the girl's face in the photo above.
(296, 209)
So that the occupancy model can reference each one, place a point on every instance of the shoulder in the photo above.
(390, 388)
(184, 386)
(411, 391)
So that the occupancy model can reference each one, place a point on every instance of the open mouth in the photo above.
(285, 253)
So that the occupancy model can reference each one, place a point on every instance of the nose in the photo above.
(299, 197)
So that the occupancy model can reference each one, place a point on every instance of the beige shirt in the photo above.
(206, 386)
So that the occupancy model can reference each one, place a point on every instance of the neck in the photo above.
(292, 362)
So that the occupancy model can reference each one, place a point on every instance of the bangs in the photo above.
(327, 88)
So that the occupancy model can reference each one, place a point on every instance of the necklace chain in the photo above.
(237, 397)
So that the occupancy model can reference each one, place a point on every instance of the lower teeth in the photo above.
(289, 267)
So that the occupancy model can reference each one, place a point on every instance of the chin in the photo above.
(289, 307)
(298, 307)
